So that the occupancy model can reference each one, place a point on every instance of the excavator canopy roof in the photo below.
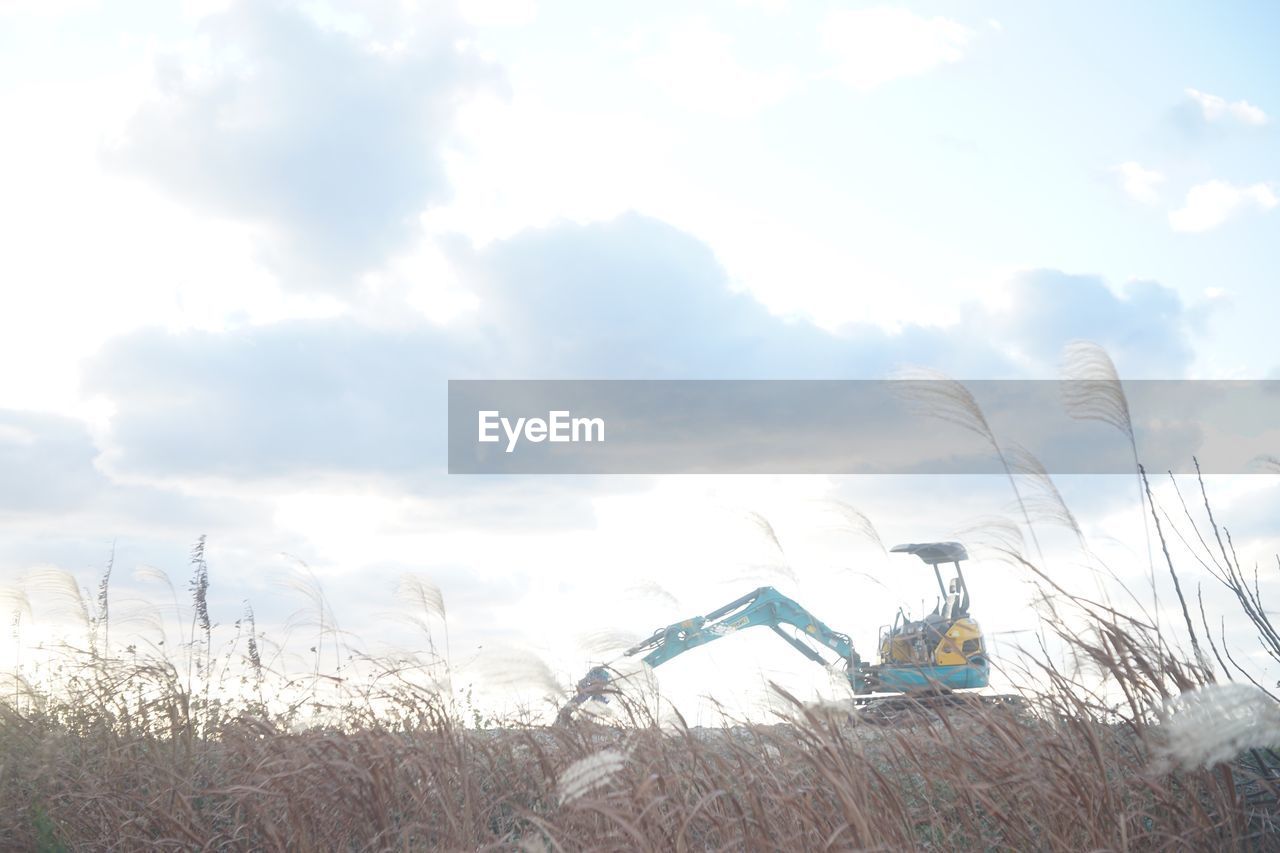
(935, 552)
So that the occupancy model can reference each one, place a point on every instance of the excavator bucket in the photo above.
(591, 687)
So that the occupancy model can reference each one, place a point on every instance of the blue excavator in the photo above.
(940, 653)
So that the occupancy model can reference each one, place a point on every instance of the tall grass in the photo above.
(128, 751)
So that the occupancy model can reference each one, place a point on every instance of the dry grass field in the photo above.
(1155, 750)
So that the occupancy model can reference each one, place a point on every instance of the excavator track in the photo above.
(890, 710)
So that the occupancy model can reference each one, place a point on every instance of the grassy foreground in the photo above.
(129, 755)
(970, 778)
(1142, 742)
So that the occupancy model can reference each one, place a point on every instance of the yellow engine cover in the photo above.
(962, 641)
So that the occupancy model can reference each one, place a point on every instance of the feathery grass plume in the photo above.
(13, 599)
(426, 601)
(200, 597)
(781, 566)
(653, 591)
(993, 536)
(514, 668)
(939, 396)
(144, 619)
(996, 532)
(62, 590)
(200, 585)
(317, 615)
(102, 618)
(1045, 501)
(151, 574)
(1092, 391)
(1215, 723)
(852, 520)
(251, 646)
(606, 642)
(421, 594)
(766, 529)
(1047, 504)
(1091, 388)
(587, 774)
(1270, 464)
(636, 681)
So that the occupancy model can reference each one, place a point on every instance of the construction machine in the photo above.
(939, 653)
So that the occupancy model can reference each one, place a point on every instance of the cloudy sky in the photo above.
(244, 245)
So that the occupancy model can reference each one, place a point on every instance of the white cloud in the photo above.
(498, 13)
(328, 149)
(874, 46)
(1215, 108)
(522, 161)
(204, 8)
(1212, 203)
(1138, 183)
(697, 69)
(46, 8)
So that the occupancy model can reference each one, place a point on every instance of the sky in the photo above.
(243, 246)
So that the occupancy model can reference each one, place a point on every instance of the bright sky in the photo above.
(243, 245)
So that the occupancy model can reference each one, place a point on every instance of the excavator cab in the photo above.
(944, 649)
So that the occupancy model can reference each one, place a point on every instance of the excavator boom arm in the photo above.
(764, 607)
